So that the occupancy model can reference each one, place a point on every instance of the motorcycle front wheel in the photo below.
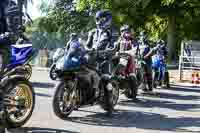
(28, 69)
(63, 101)
(166, 80)
(131, 91)
(52, 73)
(22, 94)
(109, 98)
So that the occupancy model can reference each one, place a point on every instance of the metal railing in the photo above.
(188, 62)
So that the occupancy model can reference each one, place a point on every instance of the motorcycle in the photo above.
(21, 54)
(126, 75)
(57, 55)
(74, 90)
(17, 99)
(160, 71)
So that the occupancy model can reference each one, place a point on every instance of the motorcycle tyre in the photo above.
(56, 108)
(12, 124)
(52, 69)
(131, 92)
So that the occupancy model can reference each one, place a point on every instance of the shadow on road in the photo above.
(43, 95)
(184, 88)
(38, 130)
(43, 85)
(159, 104)
(177, 96)
(142, 120)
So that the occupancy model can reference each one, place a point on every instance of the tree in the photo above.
(160, 17)
(21, 4)
(171, 20)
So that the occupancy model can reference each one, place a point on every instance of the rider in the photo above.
(22, 37)
(100, 39)
(7, 35)
(144, 51)
(161, 52)
(147, 53)
(162, 49)
(76, 56)
(128, 44)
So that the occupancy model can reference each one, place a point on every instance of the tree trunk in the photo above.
(171, 40)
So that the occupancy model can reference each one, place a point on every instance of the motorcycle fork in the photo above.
(73, 95)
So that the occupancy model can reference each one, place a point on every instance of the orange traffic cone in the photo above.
(196, 79)
(193, 75)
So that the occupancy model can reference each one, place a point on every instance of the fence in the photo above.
(43, 58)
(189, 59)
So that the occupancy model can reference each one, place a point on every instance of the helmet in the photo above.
(125, 28)
(73, 36)
(160, 41)
(103, 19)
(143, 35)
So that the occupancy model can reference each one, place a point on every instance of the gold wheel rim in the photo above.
(23, 90)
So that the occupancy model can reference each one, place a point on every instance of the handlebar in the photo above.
(99, 52)
(123, 54)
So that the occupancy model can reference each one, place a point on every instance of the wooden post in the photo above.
(180, 67)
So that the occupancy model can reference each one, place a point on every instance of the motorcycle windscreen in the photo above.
(59, 52)
(60, 63)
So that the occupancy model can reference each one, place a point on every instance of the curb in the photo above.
(41, 68)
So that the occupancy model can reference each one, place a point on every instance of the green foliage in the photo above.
(65, 16)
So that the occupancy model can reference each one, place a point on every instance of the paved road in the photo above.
(173, 110)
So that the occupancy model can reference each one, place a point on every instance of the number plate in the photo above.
(123, 62)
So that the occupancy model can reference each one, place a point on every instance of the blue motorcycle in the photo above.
(21, 54)
(160, 71)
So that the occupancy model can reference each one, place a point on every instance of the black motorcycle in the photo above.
(17, 99)
(74, 90)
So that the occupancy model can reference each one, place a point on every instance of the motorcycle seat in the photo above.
(22, 45)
